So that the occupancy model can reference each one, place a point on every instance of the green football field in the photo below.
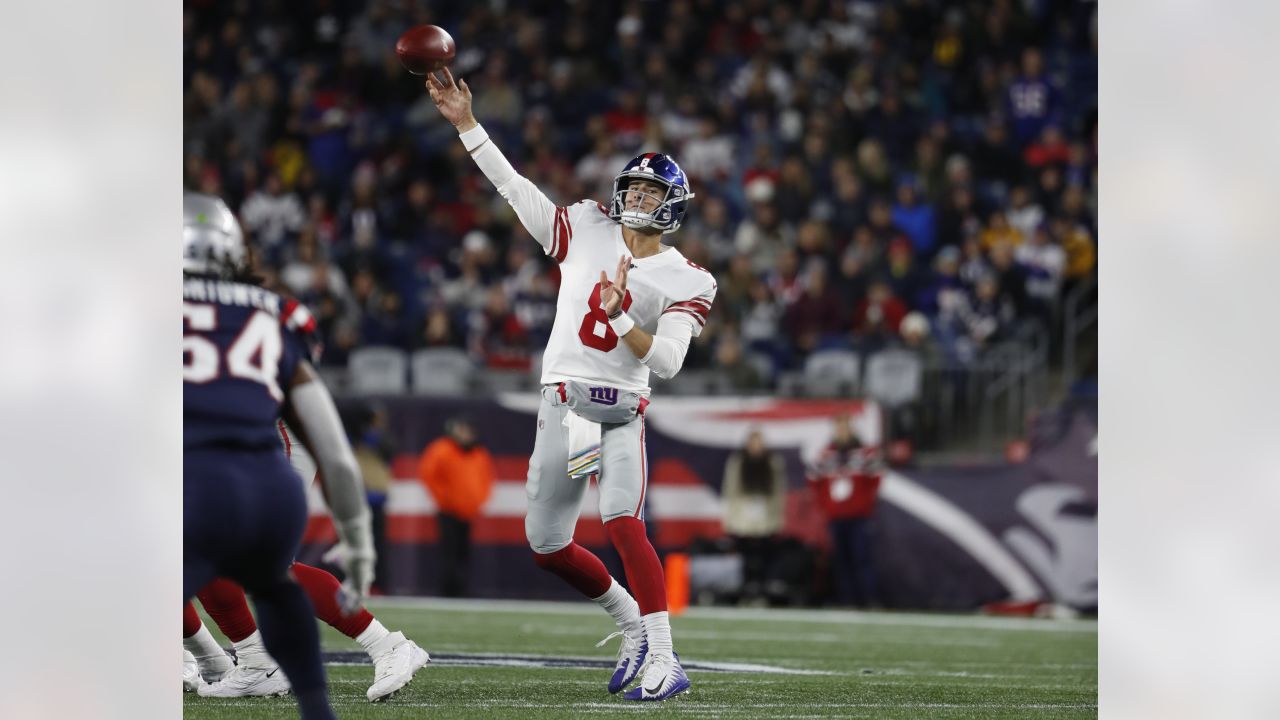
(502, 659)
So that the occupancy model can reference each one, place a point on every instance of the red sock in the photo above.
(323, 588)
(190, 620)
(225, 603)
(640, 560)
(579, 567)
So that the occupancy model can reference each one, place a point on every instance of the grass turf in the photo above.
(874, 665)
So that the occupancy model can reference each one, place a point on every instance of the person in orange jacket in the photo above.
(458, 474)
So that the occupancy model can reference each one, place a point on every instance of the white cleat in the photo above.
(190, 672)
(661, 678)
(395, 660)
(631, 657)
(214, 667)
(259, 680)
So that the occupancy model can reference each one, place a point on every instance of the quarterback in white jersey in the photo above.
(607, 336)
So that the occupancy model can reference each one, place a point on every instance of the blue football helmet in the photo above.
(661, 170)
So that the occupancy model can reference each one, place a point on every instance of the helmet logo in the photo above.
(644, 164)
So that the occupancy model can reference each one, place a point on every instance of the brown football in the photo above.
(425, 48)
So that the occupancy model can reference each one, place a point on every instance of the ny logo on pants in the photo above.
(604, 395)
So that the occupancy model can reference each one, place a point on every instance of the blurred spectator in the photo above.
(959, 218)
(917, 337)
(272, 212)
(815, 314)
(1045, 264)
(994, 157)
(716, 229)
(754, 491)
(731, 364)
(1032, 101)
(1078, 246)
(915, 218)
(438, 330)
(876, 318)
(763, 236)
(846, 482)
(458, 474)
(762, 322)
(1024, 214)
(945, 278)
(900, 269)
(1048, 149)
(999, 231)
(497, 338)
(708, 156)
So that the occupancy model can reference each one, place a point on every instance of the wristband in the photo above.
(473, 138)
(622, 324)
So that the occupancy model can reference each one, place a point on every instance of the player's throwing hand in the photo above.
(611, 294)
(453, 99)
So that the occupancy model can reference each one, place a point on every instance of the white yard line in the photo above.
(833, 617)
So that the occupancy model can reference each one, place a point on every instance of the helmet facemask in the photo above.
(664, 217)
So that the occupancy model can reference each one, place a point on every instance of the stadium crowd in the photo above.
(867, 173)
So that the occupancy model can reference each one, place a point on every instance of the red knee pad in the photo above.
(640, 560)
(579, 567)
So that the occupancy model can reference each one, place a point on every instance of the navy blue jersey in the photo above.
(241, 345)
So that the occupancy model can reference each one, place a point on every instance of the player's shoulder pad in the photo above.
(589, 209)
(298, 320)
(702, 279)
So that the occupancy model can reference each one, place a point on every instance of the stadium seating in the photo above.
(894, 377)
(377, 369)
(832, 372)
(441, 371)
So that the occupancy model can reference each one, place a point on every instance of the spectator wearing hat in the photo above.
(915, 218)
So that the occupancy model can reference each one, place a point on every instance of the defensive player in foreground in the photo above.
(606, 338)
(244, 509)
(208, 670)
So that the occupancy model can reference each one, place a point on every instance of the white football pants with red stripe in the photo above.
(555, 499)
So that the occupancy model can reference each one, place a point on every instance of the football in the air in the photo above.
(425, 48)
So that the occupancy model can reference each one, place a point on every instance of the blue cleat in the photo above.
(631, 657)
(662, 678)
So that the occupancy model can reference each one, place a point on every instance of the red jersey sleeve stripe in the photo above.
(562, 234)
(555, 235)
(701, 310)
(701, 321)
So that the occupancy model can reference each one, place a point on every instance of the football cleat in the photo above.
(661, 678)
(214, 667)
(631, 657)
(190, 672)
(395, 660)
(258, 680)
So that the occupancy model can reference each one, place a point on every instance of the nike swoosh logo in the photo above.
(273, 672)
(654, 690)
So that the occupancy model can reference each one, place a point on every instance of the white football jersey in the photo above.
(582, 345)
(583, 238)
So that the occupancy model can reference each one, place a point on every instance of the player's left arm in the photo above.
(663, 351)
(310, 411)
